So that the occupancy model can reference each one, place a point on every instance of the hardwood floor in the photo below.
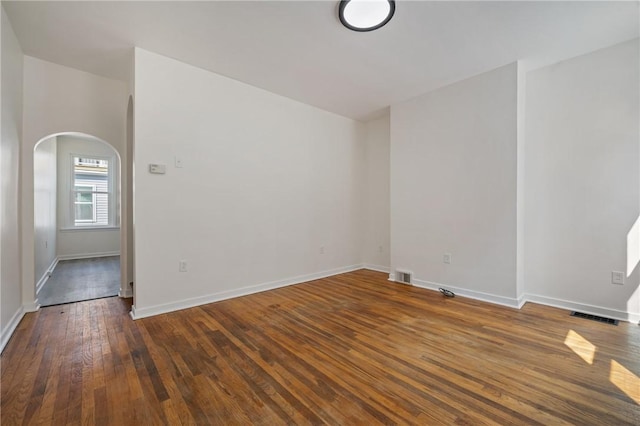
(350, 349)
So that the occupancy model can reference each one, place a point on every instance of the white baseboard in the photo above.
(11, 327)
(31, 307)
(137, 313)
(510, 302)
(46, 275)
(126, 293)
(581, 307)
(88, 255)
(376, 268)
(519, 302)
(43, 279)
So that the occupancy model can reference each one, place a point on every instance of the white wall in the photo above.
(453, 186)
(376, 235)
(265, 183)
(10, 295)
(59, 99)
(582, 180)
(45, 217)
(78, 243)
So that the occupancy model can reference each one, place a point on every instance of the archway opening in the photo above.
(77, 211)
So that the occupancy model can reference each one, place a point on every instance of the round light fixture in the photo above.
(366, 15)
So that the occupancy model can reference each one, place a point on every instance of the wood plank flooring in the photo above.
(346, 350)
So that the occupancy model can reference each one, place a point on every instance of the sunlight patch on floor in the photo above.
(625, 380)
(581, 346)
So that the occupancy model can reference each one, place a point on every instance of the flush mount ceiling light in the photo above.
(366, 15)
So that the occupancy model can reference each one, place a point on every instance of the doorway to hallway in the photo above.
(82, 279)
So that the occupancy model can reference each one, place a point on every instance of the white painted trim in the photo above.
(46, 275)
(581, 307)
(31, 307)
(15, 320)
(112, 176)
(376, 268)
(88, 255)
(43, 279)
(516, 303)
(11, 327)
(392, 276)
(229, 294)
(128, 292)
(89, 228)
(533, 298)
(485, 297)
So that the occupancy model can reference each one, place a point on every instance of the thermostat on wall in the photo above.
(157, 169)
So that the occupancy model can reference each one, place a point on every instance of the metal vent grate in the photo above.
(403, 277)
(594, 318)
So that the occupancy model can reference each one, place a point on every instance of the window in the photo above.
(91, 197)
(85, 204)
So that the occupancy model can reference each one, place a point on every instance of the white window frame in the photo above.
(92, 202)
(110, 193)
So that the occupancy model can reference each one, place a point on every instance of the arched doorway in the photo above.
(77, 204)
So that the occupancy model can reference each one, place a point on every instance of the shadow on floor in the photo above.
(81, 279)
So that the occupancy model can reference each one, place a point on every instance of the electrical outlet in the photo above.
(380, 249)
(182, 266)
(617, 277)
(321, 249)
(446, 258)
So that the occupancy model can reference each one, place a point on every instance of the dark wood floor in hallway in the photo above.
(346, 350)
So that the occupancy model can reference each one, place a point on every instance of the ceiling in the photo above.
(300, 50)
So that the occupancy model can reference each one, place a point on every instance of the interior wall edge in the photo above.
(11, 327)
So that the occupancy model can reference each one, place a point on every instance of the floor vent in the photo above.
(595, 318)
(403, 277)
